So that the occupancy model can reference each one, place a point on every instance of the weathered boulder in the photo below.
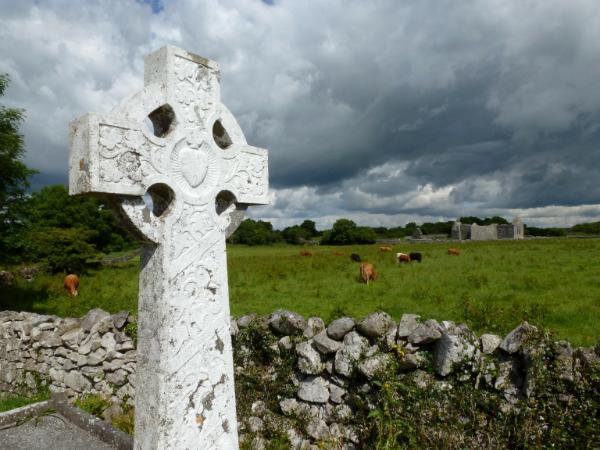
(287, 322)
(324, 344)
(92, 317)
(340, 327)
(246, 320)
(373, 365)
(375, 325)
(408, 324)
(564, 360)
(489, 343)
(314, 325)
(451, 350)
(309, 361)
(412, 361)
(120, 319)
(345, 359)
(77, 381)
(314, 389)
(517, 338)
(425, 333)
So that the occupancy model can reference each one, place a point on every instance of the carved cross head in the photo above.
(172, 149)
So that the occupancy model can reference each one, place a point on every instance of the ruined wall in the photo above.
(484, 232)
(91, 354)
(317, 384)
(507, 231)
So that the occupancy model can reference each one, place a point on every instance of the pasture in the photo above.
(491, 286)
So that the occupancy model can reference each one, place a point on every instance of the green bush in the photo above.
(62, 249)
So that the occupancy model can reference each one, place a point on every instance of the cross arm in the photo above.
(108, 156)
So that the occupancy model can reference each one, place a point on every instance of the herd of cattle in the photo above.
(367, 269)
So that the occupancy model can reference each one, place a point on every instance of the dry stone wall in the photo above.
(300, 377)
(92, 354)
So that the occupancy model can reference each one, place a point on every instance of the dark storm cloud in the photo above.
(382, 111)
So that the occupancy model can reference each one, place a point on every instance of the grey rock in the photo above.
(408, 324)
(255, 424)
(92, 317)
(518, 337)
(287, 322)
(340, 327)
(50, 339)
(390, 339)
(564, 361)
(233, 327)
(310, 360)
(96, 357)
(118, 377)
(324, 344)
(586, 357)
(374, 365)
(375, 325)
(113, 411)
(336, 393)
(108, 342)
(120, 319)
(425, 333)
(489, 343)
(314, 325)
(285, 343)
(314, 389)
(258, 408)
(318, 430)
(451, 350)
(411, 361)
(244, 321)
(77, 381)
(354, 347)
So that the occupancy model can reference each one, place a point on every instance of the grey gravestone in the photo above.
(176, 145)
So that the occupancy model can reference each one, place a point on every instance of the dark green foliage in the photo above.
(560, 415)
(486, 221)
(296, 235)
(61, 249)
(535, 231)
(345, 232)
(13, 179)
(54, 207)
(587, 228)
(251, 232)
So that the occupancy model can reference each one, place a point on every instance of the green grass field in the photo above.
(492, 286)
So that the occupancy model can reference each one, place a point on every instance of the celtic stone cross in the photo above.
(173, 163)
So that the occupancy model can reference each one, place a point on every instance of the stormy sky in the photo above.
(384, 111)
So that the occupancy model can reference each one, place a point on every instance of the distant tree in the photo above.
(471, 220)
(437, 228)
(14, 175)
(62, 249)
(345, 232)
(296, 234)
(535, 231)
(251, 232)
(587, 228)
(53, 207)
(311, 227)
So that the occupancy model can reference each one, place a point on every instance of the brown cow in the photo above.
(305, 253)
(402, 257)
(367, 272)
(385, 248)
(71, 284)
(453, 251)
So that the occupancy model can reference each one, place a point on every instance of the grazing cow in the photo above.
(6, 278)
(415, 256)
(367, 272)
(385, 248)
(305, 253)
(71, 284)
(402, 257)
(453, 251)
(355, 257)
(29, 273)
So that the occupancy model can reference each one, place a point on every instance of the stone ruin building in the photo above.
(494, 231)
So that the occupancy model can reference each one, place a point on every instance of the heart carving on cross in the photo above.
(194, 166)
